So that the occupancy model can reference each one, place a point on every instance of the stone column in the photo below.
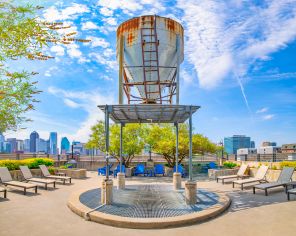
(107, 192)
(121, 180)
(190, 192)
(177, 180)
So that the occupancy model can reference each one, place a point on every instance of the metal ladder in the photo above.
(150, 57)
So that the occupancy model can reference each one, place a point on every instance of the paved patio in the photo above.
(48, 214)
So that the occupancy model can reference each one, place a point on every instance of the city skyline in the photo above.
(239, 66)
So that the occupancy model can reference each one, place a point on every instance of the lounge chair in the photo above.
(259, 177)
(284, 178)
(4, 190)
(28, 177)
(7, 181)
(240, 174)
(159, 169)
(140, 170)
(291, 191)
(117, 170)
(180, 170)
(47, 175)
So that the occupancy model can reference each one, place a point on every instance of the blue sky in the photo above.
(240, 66)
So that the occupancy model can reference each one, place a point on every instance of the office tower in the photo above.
(34, 140)
(27, 145)
(65, 145)
(232, 144)
(42, 146)
(2, 140)
(53, 143)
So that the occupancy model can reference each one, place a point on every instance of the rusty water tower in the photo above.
(150, 50)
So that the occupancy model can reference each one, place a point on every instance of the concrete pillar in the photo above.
(177, 180)
(150, 163)
(107, 192)
(190, 192)
(121, 180)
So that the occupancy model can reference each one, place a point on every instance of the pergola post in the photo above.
(121, 175)
(190, 185)
(107, 184)
(177, 176)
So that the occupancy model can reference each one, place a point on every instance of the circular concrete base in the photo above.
(148, 207)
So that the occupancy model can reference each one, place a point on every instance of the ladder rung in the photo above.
(150, 42)
(143, 28)
(150, 70)
(146, 35)
(149, 51)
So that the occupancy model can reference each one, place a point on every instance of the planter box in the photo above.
(214, 173)
(128, 172)
(74, 173)
(168, 171)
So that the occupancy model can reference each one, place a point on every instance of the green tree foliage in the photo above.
(161, 138)
(23, 36)
(133, 141)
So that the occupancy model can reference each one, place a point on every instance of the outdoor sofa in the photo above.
(47, 175)
(4, 190)
(259, 177)
(240, 174)
(28, 177)
(284, 178)
(7, 181)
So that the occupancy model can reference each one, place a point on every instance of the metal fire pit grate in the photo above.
(149, 201)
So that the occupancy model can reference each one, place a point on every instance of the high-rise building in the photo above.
(268, 144)
(42, 145)
(65, 145)
(2, 140)
(27, 145)
(232, 144)
(13, 144)
(53, 143)
(34, 140)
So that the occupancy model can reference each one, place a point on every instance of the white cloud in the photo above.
(226, 38)
(98, 42)
(106, 12)
(99, 58)
(262, 110)
(53, 14)
(131, 5)
(58, 50)
(73, 50)
(89, 26)
(110, 20)
(88, 101)
(70, 103)
(268, 117)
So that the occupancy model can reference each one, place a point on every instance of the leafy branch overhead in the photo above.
(23, 35)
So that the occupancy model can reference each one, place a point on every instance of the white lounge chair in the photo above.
(284, 178)
(240, 174)
(28, 177)
(7, 181)
(259, 177)
(47, 175)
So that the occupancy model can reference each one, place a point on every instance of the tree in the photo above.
(133, 141)
(162, 139)
(23, 36)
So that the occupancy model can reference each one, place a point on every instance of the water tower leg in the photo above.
(190, 192)
(121, 180)
(107, 192)
(177, 180)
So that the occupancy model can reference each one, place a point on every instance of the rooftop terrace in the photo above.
(47, 213)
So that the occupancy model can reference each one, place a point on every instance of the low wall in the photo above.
(74, 173)
(17, 174)
(214, 173)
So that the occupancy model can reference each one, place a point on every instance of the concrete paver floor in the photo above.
(47, 213)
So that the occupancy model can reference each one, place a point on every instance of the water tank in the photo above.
(153, 49)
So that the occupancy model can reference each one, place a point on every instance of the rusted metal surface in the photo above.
(150, 59)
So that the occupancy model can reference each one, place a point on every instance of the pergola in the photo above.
(149, 113)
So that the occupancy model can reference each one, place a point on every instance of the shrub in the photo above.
(229, 164)
(288, 164)
(32, 163)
